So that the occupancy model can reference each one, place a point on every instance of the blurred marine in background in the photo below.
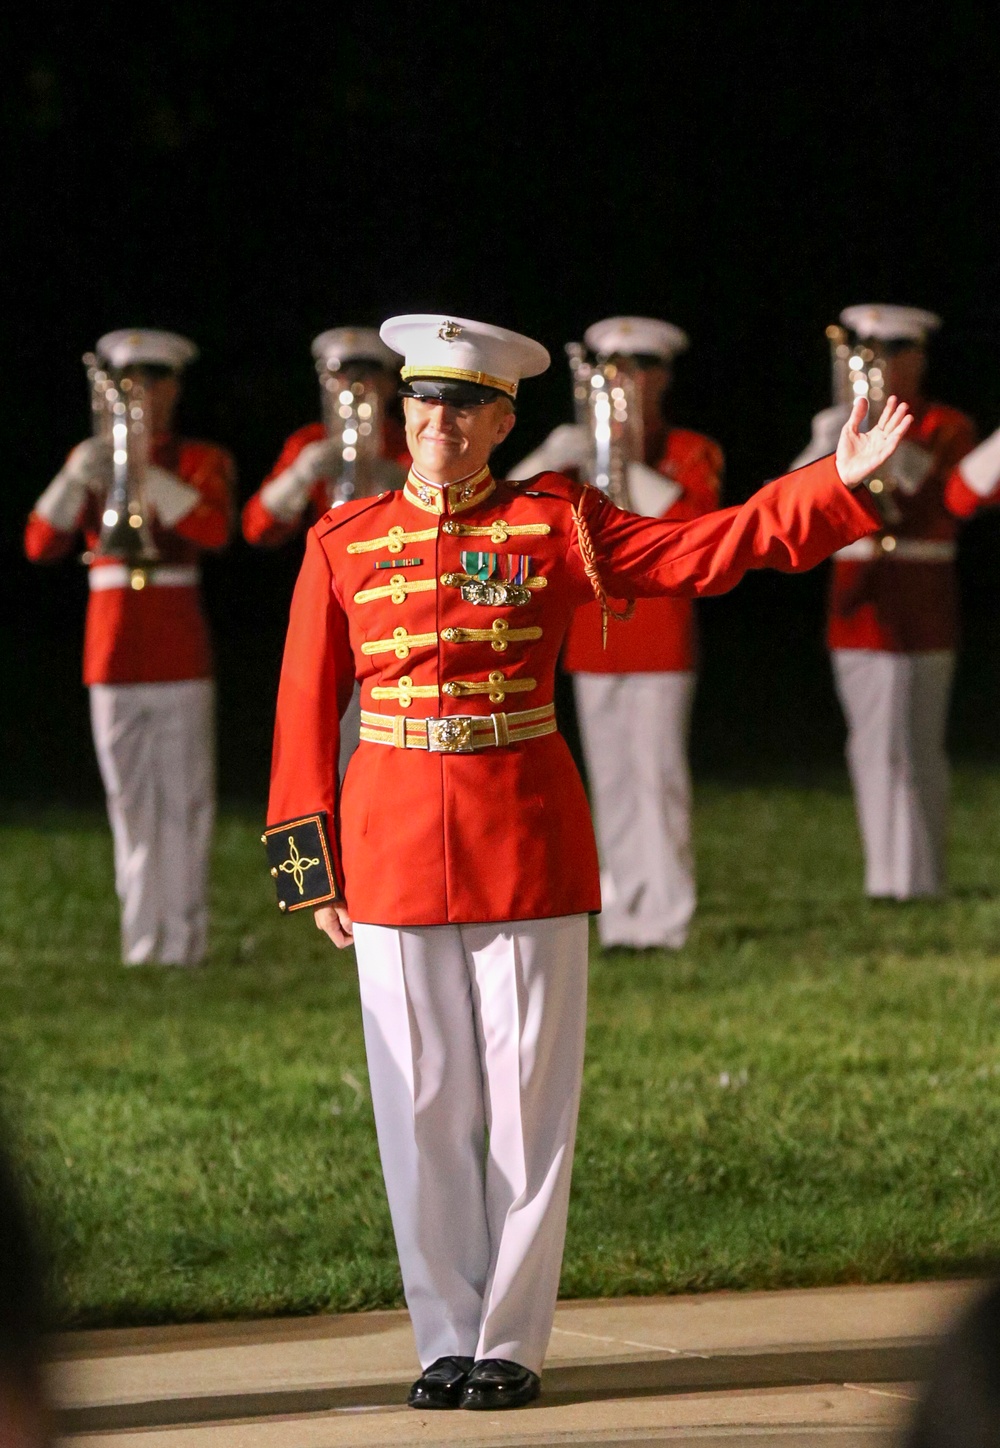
(634, 689)
(357, 451)
(893, 610)
(148, 503)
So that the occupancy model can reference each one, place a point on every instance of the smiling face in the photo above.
(448, 443)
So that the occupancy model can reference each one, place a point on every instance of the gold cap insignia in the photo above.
(448, 331)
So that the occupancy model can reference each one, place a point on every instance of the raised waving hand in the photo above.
(859, 454)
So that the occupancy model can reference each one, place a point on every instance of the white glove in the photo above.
(87, 470)
(566, 447)
(826, 428)
(285, 497)
(909, 466)
(170, 498)
(316, 460)
(90, 464)
(980, 469)
(650, 493)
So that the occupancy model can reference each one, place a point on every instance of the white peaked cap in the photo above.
(139, 346)
(455, 349)
(632, 335)
(889, 323)
(353, 344)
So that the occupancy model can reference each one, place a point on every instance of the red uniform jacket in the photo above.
(158, 635)
(263, 529)
(421, 838)
(660, 637)
(896, 603)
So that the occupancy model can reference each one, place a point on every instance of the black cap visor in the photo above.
(453, 393)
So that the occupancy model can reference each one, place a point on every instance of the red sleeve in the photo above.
(959, 498)
(790, 524)
(211, 470)
(962, 502)
(698, 468)
(45, 544)
(262, 529)
(317, 678)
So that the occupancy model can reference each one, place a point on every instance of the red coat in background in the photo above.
(895, 603)
(263, 530)
(661, 635)
(158, 634)
(422, 838)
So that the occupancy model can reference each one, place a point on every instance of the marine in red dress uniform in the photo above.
(893, 623)
(634, 689)
(147, 657)
(460, 845)
(298, 490)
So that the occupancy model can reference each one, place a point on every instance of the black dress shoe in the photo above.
(498, 1383)
(440, 1385)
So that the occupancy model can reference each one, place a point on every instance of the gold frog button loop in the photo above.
(499, 636)
(397, 588)
(404, 691)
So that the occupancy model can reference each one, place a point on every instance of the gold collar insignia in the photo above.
(451, 497)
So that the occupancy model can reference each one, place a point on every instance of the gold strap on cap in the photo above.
(459, 374)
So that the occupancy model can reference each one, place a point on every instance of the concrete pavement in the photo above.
(826, 1366)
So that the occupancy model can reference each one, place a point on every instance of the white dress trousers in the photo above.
(634, 729)
(475, 1037)
(156, 750)
(896, 706)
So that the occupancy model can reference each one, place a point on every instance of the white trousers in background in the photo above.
(896, 706)
(634, 729)
(156, 750)
(474, 1036)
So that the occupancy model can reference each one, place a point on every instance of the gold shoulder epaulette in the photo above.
(345, 512)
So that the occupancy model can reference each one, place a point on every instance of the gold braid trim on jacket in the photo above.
(590, 568)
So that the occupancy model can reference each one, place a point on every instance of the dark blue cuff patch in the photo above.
(301, 861)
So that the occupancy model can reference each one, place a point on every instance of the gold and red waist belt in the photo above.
(458, 733)
(153, 575)
(899, 550)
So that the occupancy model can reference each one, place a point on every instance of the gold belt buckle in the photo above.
(452, 735)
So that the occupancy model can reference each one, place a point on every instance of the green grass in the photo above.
(809, 1092)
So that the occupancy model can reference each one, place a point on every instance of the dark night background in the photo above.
(252, 183)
